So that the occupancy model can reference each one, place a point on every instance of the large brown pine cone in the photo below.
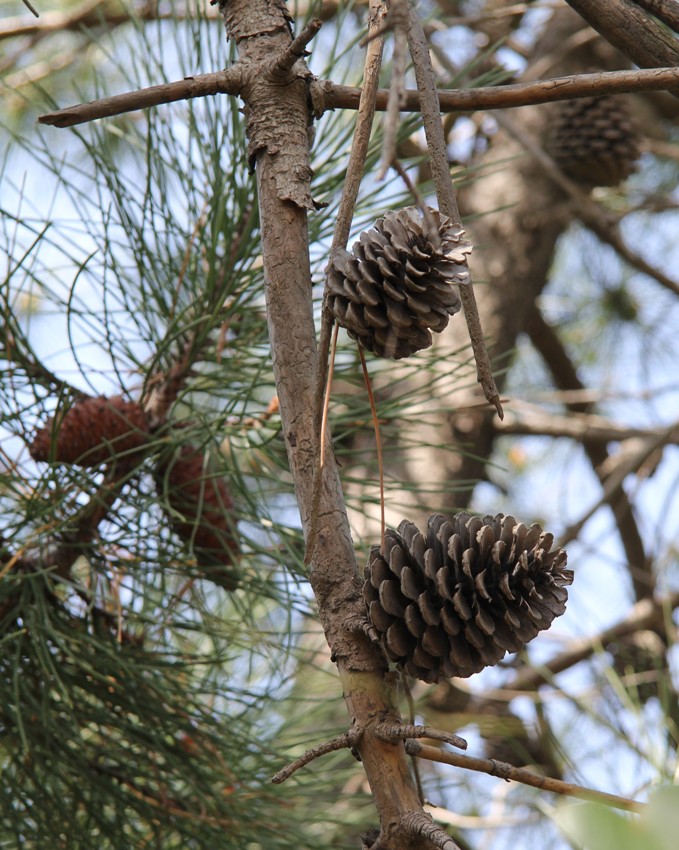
(457, 599)
(397, 285)
(593, 140)
(201, 513)
(93, 431)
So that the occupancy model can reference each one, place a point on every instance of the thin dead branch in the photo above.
(345, 214)
(328, 96)
(445, 193)
(345, 741)
(518, 774)
(398, 19)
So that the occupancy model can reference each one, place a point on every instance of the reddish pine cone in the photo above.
(593, 140)
(397, 284)
(458, 599)
(91, 432)
(202, 513)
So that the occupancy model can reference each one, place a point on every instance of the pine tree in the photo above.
(183, 600)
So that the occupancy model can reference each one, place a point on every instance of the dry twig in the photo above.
(327, 95)
(519, 774)
(345, 214)
(445, 193)
(345, 741)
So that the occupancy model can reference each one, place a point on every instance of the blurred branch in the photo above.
(613, 486)
(328, 96)
(90, 14)
(530, 420)
(518, 774)
(546, 341)
(667, 12)
(646, 614)
(631, 30)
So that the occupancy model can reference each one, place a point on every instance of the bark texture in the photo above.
(277, 111)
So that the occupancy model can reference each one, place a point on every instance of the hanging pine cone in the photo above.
(397, 284)
(93, 431)
(456, 600)
(201, 513)
(593, 140)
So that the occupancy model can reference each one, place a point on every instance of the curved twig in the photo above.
(345, 741)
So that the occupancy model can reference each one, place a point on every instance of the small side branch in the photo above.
(404, 731)
(518, 774)
(297, 48)
(201, 85)
(345, 741)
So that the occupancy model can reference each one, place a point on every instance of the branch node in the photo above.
(362, 625)
(421, 824)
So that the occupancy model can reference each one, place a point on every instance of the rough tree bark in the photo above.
(277, 111)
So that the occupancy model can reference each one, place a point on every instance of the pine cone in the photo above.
(201, 513)
(456, 600)
(93, 431)
(397, 284)
(593, 140)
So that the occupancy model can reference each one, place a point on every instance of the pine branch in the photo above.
(518, 774)
(631, 30)
(529, 420)
(283, 176)
(328, 95)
